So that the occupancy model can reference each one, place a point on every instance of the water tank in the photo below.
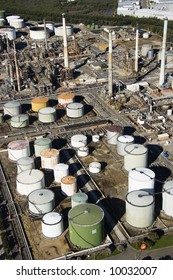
(69, 185)
(75, 110)
(41, 201)
(150, 54)
(9, 32)
(52, 225)
(83, 151)
(95, 167)
(17, 23)
(145, 49)
(12, 17)
(78, 140)
(136, 156)
(65, 98)
(113, 132)
(18, 149)
(38, 33)
(20, 121)
(29, 180)
(42, 144)
(86, 225)
(140, 209)
(47, 115)
(49, 158)
(39, 103)
(79, 198)
(59, 30)
(60, 170)
(12, 108)
(25, 163)
(95, 138)
(49, 25)
(167, 198)
(146, 35)
(122, 142)
(141, 179)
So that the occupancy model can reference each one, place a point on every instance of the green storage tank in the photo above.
(1, 118)
(86, 225)
(2, 21)
(2, 14)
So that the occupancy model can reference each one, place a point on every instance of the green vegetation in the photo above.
(87, 12)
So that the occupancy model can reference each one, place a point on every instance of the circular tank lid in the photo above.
(95, 164)
(40, 100)
(47, 110)
(79, 197)
(75, 106)
(168, 187)
(52, 218)
(61, 167)
(141, 174)
(68, 180)
(25, 161)
(79, 138)
(48, 153)
(12, 17)
(135, 149)
(18, 145)
(12, 104)
(30, 176)
(66, 96)
(16, 20)
(125, 138)
(42, 196)
(139, 198)
(20, 118)
(114, 128)
(42, 141)
(86, 214)
(83, 149)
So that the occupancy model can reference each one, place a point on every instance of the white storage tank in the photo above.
(38, 33)
(49, 158)
(18, 149)
(12, 108)
(25, 163)
(167, 198)
(41, 201)
(78, 198)
(83, 151)
(17, 23)
(28, 181)
(20, 121)
(141, 179)
(52, 225)
(65, 98)
(69, 185)
(146, 35)
(136, 156)
(60, 170)
(49, 25)
(95, 167)
(75, 110)
(95, 138)
(12, 17)
(42, 144)
(113, 132)
(122, 142)
(78, 140)
(10, 32)
(140, 209)
(59, 30)
(145, 49)
(47, 115)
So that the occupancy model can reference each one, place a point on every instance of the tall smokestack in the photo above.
(136, 50)
(66, 64)
(110, 76)
(162, 67)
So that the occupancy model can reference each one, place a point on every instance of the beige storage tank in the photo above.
(136, 156)
(42, 144)
(18, 149)
(65, 98)
(41, 201)
(29, 180)
(25, 163)
(47, 115)
(52, 225)
(140, 209)
(60, 170)
(49, 158)
(20, 121)
(122, 142)
(69, 185)
(113, 132)
(39, 103)
(12, 108)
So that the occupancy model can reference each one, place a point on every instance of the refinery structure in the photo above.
(86, 135)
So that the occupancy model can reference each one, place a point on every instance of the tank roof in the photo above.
(20, 118)
(48, 153)
(114, 128)
(68, 180)
(42, 141)
(135, 149)
(47, 110)
(40, 100)
(12, 104)
(51, 218)
(41, 196)
(75, 106)
(79, 197)
(25, 160)
(79, 137)
(66, 95)
(125, 138)
(86, 214)
(140, 198)
(61, 166)
(30, 176)
(18, 144)
(168, 187)
(142, 174)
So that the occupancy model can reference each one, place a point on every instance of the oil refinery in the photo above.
(86, 136)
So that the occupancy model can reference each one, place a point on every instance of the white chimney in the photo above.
(162, 67)
(66, 63)
(110, 78)
(136, 50)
